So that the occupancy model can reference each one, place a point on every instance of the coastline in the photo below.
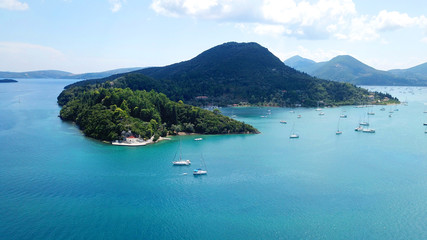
(140, 142)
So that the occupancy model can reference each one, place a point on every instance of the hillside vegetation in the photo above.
(105, 114)
(238, 73)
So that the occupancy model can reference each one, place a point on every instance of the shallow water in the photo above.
(57, 184)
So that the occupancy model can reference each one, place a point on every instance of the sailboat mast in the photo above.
(203, 162)
(180, 150)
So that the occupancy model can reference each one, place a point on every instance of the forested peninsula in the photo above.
(105, 114)
(149, 102)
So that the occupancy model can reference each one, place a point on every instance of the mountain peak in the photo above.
(300, 63)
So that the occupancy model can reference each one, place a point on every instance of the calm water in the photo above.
(57, 184)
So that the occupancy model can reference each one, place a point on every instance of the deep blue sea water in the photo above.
(57, 184)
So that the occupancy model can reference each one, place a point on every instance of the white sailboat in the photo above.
(371, 112)
(318, 108)
(358, 129)
(368, 130)
(293, 134)
(180, 161)
(338, 132)
(201, 171)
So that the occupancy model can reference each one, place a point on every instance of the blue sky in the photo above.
(89, 36)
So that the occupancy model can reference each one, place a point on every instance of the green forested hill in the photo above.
(234, 73)
(105, 113)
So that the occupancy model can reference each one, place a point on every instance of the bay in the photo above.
(57, 184)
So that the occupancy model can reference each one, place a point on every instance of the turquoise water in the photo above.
(57, 184)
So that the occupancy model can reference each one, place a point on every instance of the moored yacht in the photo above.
(181, 163)
(368, 130)
(358, 129)
(294, 135)
(199, 171)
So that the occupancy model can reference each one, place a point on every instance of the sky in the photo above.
(90, 36)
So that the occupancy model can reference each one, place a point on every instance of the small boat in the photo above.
(318, 108)
(358, 129)
(390, 115)
(200, 171)
(292, 111)
(382, 109)
(343, 116)
(364, 124)
(283, 122)
(338, 132)
(181, 162)
(368, 130)
(321, 113)
(299, 116)
(425, 124)
(198, 139)
(371, 113)
(294, 135)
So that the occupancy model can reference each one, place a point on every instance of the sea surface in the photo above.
(56, 183)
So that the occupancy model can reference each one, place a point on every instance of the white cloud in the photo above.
(388, 21)
(305, 14)
(207, 9)
(13, 5)
(33, 57)
(116, 5)
(306, 19)
(267, 29)
(368, 28)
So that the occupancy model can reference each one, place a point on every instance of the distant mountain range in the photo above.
(346, 68)
(61, 74)
(234, 73)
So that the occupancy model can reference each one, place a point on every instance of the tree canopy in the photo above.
(104, 113)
